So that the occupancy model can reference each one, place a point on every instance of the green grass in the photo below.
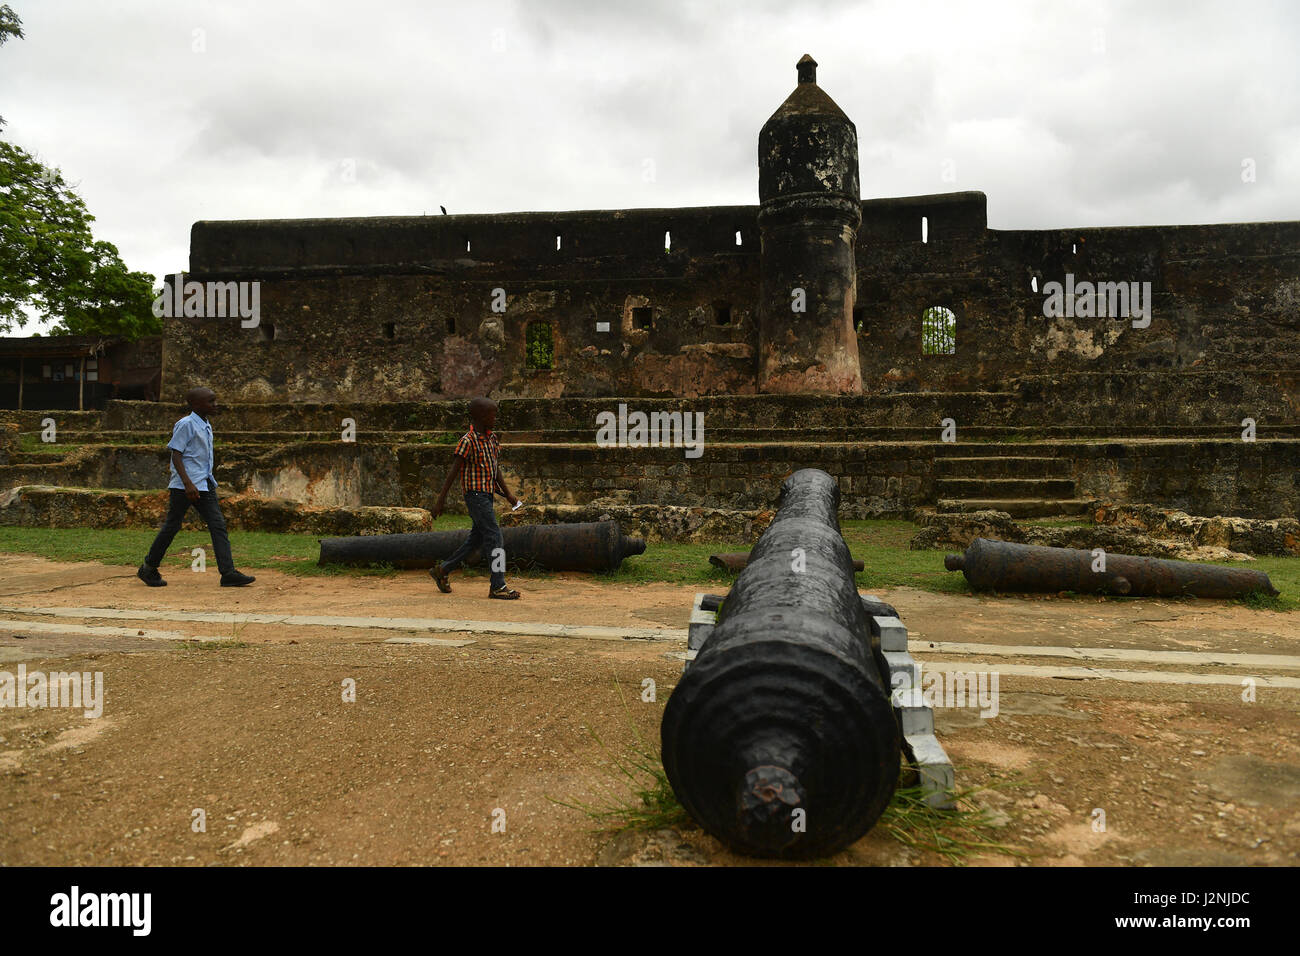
(881, 544)
(30, 442)
(955, 834)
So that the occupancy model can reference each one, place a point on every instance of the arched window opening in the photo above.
(539, 346)
(938, 331)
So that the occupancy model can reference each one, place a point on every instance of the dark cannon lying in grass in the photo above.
(1003, 566)
(592, 546)
(780, 739)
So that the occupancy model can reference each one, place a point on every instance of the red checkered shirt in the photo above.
(480, 453)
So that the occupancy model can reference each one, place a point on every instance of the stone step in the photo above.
(998, 465)
(1005, 488)
(975, 442)
(1020, 507)
(37, 458)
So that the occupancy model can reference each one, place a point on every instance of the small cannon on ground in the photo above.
(591, 546)
(1003, 566)
(780, 739)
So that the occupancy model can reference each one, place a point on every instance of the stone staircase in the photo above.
(1023, 483)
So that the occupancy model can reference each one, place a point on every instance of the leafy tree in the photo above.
(10, 26)
(50, 262)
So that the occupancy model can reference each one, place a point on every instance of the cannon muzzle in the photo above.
(780, 740)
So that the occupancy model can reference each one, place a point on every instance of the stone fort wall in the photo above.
(401, 309)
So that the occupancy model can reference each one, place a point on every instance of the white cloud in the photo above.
(506, 106)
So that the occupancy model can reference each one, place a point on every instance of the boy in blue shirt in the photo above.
(193, 483)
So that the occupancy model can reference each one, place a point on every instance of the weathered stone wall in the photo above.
(8, 440)
(36, 506)
(1224, 296)
(880, 481)
(1231, 477)
(398, 309)
(401, 309)
(1259, 479)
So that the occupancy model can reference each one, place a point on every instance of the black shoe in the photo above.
(236, 580)
(440, 577)
(150, 576)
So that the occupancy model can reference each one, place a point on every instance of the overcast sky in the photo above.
(164, 112)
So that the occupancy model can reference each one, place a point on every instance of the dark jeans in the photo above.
(483, 537)
(210, 511)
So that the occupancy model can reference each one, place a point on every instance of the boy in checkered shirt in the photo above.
(475, 460)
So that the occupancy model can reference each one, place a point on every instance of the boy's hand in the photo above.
(191, 492)
(514, 502)
(437, 509)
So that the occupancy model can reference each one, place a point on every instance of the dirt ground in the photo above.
(443, 741)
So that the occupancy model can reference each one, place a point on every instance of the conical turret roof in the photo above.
(808, 99)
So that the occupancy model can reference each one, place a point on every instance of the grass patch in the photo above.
(210, 645)
(31, 444)
(955, 834)
(637, 794)
(881, 544)
(1285, 575)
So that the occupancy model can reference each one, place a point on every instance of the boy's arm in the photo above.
(457, 465)
(182, 435)
(501, 483)
(178, 462)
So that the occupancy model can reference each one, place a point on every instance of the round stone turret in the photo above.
(809, 212)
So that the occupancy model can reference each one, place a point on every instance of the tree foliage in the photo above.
(50, 262)
(10, 26)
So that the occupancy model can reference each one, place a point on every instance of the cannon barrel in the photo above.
(1003, 566)
(734, 561)
(784, 708)
(590, 546)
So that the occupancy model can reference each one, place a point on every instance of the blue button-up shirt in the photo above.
(192, 437)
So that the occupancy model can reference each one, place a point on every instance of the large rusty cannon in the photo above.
(780, 739)
(1003, 566)
(591, 546)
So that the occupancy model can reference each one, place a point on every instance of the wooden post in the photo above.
(22, 363)
(81, 386)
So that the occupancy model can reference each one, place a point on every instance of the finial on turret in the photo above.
(807, 68)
